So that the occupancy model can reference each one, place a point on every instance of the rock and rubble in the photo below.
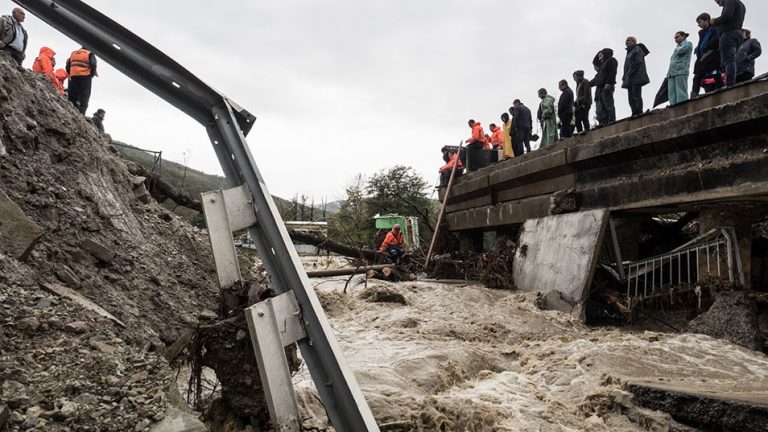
(64, 367)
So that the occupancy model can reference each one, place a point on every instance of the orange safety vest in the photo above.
(80, 63)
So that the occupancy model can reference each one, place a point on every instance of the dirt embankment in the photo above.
(63, 367)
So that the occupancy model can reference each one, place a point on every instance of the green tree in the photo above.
(397, 190)
(353, 224)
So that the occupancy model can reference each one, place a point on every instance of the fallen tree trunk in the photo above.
(162, 190)
(350, 271)
(323, 242)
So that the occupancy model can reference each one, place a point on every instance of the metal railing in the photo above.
(714, 254)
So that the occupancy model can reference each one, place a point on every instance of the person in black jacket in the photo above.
(749, 50)
(565, 110)
(728, 26)
(583, 102)
(707, 65)
(605, 84)
(635, 74)
(522, 125)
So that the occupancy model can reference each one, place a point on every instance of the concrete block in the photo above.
(560, 253)
(68, 276)
(18, 234)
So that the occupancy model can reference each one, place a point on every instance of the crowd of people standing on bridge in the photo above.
(74, 81)
(724, 56)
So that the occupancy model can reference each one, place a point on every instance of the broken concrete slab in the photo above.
(553, 301)
(98, 251)
(732, 317)
(81, 300)
(705, 411)
(18, 233)
(559, 253)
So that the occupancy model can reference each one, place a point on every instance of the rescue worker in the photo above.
(508, 153)
(81, 67)
(392, 245)
(475, 145)
(16, 41)
(44, 64)
(98, 119)
(61, 76)
(445, 170)
(497, 138)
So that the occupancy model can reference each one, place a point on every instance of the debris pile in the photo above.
(89, 230)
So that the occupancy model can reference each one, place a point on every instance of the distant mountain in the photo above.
(194, 182)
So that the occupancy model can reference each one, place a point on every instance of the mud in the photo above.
(465, 358)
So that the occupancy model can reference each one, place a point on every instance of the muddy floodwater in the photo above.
(460, 357)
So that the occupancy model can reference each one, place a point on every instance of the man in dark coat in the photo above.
(635, 74)
(728, 26)
(749, 50)
(583, 102)
(707, 53)
(605, 84)
(522, 125)
(98, 119)
(565, 110)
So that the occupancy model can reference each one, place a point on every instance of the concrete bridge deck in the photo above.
(713, 149)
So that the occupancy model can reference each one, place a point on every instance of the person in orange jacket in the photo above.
(445, 170)
(497, 138)
(44, 64)
(81, 67)
(393, 244)
(61, 76)
(475, 144)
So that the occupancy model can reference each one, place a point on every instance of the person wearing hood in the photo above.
(475, 145)
(583, 102)
(749, 50)
(605, 84)
(679, 67)
(61, 76)
(635, 74)
(547, 118)
(507, 135)
(44, 64)
(707, 65)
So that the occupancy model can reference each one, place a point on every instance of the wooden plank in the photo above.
(567, 181)
(81, 300)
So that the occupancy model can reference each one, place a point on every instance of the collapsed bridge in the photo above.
(708, 155)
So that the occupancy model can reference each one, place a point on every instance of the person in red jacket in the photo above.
(393, 244)
(61, 76)
(497, 138)
(445, 170)
(44, 64)
(475, 144)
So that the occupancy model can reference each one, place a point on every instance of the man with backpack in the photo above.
(13, 36)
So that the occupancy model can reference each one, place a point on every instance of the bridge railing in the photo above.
(713, 255)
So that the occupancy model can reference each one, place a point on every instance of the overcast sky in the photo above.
(346, 87)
